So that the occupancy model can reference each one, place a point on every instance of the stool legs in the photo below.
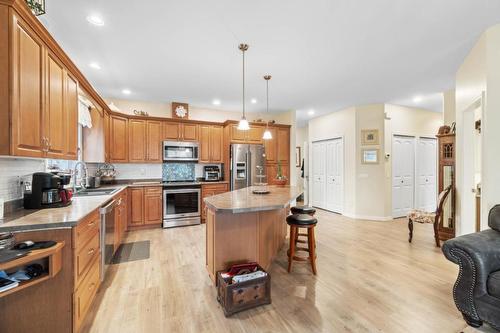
(312, 248)
(293, 237)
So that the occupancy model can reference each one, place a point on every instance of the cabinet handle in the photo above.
(91, 223)
(92, 285)
(91, 252)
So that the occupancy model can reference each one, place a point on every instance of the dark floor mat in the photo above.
(132, 252)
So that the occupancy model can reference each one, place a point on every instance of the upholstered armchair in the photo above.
(477, 289)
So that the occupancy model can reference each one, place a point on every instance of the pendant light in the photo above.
(243, 124)
(267, 133)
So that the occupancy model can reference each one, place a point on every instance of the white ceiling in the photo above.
(323, 55)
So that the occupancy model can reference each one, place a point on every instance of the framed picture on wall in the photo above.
(298, 157)
(369, 156)
(369, 137)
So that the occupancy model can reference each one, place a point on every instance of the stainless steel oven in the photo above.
(177, 151)
(181, 206)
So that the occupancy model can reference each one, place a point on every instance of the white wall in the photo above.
(449, 109)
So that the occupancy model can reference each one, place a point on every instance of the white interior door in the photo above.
(319, 179)
(403, 175)
(427, 174)
(334, 175)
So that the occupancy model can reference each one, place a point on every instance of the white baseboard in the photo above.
(370, 218)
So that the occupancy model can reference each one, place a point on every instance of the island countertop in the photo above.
(244, 200)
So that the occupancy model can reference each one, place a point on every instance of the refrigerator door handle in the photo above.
(248, 167)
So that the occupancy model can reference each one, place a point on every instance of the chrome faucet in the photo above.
(83, 180)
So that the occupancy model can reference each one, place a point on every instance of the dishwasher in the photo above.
(107, 214)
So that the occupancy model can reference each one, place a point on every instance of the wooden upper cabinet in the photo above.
(211, 144)
(28, 57)
(271, 147)
(118, 139)
(189, 132)
(176, 131)
(107, 136)
(55, 115)
(137, 140)
(171, 130)
(154, 141)
(283, 136)
(253, 135)
(216, 144)
(71, 106)
(204, 156)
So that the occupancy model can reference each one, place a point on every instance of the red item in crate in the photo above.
(240, 269)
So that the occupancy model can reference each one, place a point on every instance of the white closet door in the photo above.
(403, 175)
(335, 175)
(319, 179)
(426, 174)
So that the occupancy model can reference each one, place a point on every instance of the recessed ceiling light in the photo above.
(95, 65)
(126, 92)
(417, 99)
(310, 112)
(95, 20)
(253, 101)
(216, 102)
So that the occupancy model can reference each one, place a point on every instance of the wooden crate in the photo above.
(245, 295)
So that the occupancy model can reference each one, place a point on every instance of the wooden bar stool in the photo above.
(302, 210)
(297, 221)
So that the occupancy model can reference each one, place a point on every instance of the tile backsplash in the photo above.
(178, 171)
(15, 170)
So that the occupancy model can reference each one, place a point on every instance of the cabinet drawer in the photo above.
(153, 190)
(86, 229)
(214, 188)
(85, 256)
(85, 294)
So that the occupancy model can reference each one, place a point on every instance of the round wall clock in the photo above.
(180, 110)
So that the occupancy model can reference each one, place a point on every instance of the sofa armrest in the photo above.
(477, 255)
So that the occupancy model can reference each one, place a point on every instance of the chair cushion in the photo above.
(420, 216)
(303, 210)
(301, 220)
(494, 218)
(494, 284)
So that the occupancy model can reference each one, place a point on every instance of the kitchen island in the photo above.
(243, 226)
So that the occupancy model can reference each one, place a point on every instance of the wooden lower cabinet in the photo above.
(208, 190)
(145, 206)
(121, 218)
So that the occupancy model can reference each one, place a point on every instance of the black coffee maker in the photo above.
(47, 191)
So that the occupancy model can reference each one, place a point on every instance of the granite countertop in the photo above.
(56, 218)
(244, 201)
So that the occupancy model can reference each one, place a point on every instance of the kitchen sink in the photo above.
(95, 191)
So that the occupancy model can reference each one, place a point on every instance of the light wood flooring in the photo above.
(370, 279)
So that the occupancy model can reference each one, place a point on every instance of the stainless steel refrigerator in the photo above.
(246, 160)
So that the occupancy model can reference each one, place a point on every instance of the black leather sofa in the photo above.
(477, 289)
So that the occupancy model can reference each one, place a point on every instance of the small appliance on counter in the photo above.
(93, 182)
(211, 173)
(47, 191)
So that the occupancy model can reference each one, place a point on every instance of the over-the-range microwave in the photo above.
(178, 151)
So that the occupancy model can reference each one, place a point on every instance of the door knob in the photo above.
(402, 181)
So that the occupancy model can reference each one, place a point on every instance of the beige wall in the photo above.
(338, 124)
(471, 81)
(449, 107)
(302, 135)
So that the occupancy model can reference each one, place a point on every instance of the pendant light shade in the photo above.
(267, 133)
(243, 124)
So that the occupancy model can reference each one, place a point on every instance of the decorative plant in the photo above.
(279, 174)
(36, 6)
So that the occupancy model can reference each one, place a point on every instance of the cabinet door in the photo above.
(171, 130)
(255, 134)
(71, 107)
(107, 136)
(27, 91)
(118, 139)
(189, 132)
(237, 135)
(137, 140)
(154, 145)
(216, 144)
(136, 206)
(54, 119)
(271, 147)
(153, 205)
(272, 172)
(205, 143)
(283, 145)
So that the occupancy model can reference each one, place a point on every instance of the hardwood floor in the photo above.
(370, 279)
